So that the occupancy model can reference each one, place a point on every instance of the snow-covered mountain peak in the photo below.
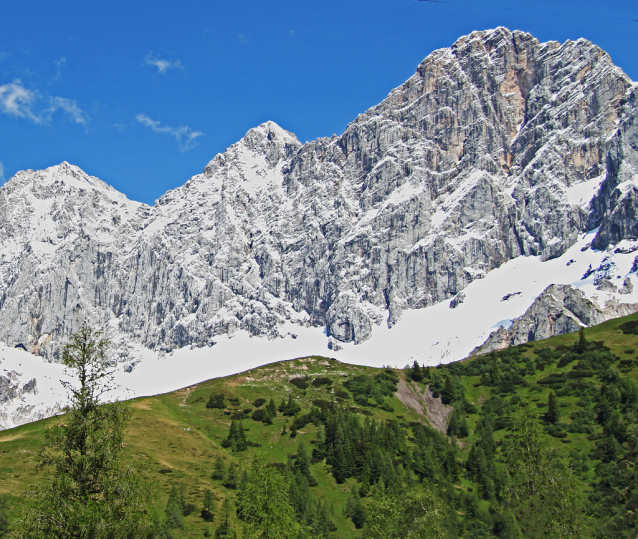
(499, 153)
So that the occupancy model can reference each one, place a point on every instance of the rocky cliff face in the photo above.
(497, 147)
(559, 309)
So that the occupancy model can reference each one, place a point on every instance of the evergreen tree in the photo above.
(272, 409)
(416, 373)
(553, 409)
(264, 505)
(88, 491)
(225, 531)
(416, 515)
(175, 509)
(319, 451)
(291, 408)
(209, 506)
(232, 477)
(582, 341)
(219, 469)
(216, 400)
(355, 510)
(542, 494)
(302, 460)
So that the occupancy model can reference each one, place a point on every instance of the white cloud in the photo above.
(18, 101)
(1, 172)
(71, 108)
(60, 63)
(184, 136)
(163, 65)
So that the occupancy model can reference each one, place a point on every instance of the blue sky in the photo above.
(144, 94)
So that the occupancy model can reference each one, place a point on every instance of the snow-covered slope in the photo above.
(482, 177)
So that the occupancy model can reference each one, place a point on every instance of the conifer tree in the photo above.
(225, 531)
(88, 491)
(209, 506)
(355, 510)
(272, 409)
(265, 507)
(553, 409)
(175, 509)
(542, 494)
(302, 461)
(232, 477)
(416, 515)
(219, 469)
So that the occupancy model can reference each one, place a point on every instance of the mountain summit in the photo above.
(498, 148)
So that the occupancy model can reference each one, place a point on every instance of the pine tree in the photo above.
(302, 461)
(209, 506)
(265, 507)
(319, 451)
(175, 509)
(415, 514)
(232, 477)
(553, 409)
(542, 493)
(219, 469)
(225, 531)
(582, 340)
(87, 491)
(272, 409)
(355, 510)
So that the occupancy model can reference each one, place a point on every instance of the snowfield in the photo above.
(433, 335)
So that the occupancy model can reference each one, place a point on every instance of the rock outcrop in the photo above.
(559, 309)
(475, 160)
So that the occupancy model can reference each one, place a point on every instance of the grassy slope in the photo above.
(180, 438)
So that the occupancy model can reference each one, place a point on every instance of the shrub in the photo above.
(300, 383)
(216, 401)
(259, 402)
(322, 381)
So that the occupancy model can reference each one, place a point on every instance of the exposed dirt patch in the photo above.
(141, 405)
(10, 438)
(422, 402)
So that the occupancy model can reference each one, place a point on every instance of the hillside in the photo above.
(592, 430)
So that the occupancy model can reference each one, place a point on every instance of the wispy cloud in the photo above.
(1, 172)
(184, 135)
(243, 38)
(292, 33)
(3, 56)
(18, 101)
(162, 64)
(60, 63)
(70, 107)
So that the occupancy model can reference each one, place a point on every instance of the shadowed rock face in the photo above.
(473, 161)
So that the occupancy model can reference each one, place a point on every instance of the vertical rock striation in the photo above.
(497, 147)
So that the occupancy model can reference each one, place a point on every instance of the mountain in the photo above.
(502, 162)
